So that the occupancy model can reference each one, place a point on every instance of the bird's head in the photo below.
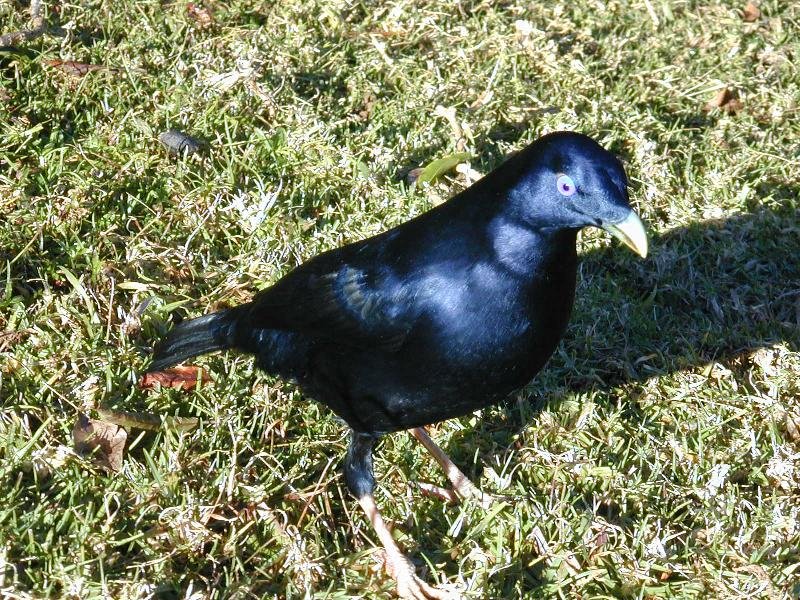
(566, 180)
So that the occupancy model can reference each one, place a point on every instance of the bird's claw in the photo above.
(464, 492)
(409, 586)
(466, 489)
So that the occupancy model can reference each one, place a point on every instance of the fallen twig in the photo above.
(440, 493)
(14, 37)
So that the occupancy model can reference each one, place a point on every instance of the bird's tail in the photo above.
(217, 331)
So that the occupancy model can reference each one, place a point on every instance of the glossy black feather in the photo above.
(440, 316)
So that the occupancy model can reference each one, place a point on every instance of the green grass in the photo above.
(655, 452)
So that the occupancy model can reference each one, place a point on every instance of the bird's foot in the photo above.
(409, 586)
(462, 486)
(466, 489)
(396, 564)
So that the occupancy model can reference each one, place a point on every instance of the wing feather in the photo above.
(338, 301)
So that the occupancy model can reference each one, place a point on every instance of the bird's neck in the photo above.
(526, 250)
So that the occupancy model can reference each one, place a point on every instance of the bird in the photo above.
(443, 315)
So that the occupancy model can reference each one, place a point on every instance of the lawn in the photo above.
(658, 455)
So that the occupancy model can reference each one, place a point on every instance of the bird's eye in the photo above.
(565, 185)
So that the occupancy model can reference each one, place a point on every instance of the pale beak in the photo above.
(631, 233)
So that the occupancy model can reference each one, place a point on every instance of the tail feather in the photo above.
(194, 337)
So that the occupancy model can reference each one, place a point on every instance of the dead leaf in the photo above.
(105, 442)
(178, 273)
(367, 107)
(792, 423)
(725, 100)
(393, 30)
(9, 339)
(182, 378)
(147, 421)
(719, 99)
(764, 359)
(10, 365)
(751, 13)
(201, 15)
(74, 68)
(413, 175)
(483, 99)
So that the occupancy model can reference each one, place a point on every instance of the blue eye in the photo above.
(565, 185)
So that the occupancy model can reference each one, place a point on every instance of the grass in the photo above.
(656, 453)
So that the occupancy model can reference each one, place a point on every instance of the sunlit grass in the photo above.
(656, 454)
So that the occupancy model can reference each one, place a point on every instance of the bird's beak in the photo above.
(631, 232)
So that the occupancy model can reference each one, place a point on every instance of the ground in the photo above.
(657, 456)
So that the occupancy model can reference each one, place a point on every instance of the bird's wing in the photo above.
(340, 302)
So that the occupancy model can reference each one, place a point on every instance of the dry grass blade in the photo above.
(75, 68)
(792, 425)
(147, 421)
(200, 15)
(9, 338)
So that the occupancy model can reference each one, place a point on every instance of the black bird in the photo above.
(436, 318)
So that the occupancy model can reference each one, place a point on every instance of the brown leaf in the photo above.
(367, 107)
(73, 68)
(200, 15)
(721, 97)
(725, 100)
(9, 339)
(792, 425)
(105, 442)
(183, 378)
(413, 175)
(751, 13)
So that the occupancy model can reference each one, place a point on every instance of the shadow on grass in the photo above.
(714, 291)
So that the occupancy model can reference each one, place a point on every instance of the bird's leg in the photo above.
(461, 483)
(361, 482)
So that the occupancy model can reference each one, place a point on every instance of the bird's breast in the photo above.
(490, 320)
(477, 331)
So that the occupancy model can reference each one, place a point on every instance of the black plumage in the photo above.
(440, 316)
